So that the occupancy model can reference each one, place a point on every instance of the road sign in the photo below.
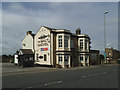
(105, 55)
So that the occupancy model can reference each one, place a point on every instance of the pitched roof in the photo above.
(26, 51)
(32, 35)
(49, 28)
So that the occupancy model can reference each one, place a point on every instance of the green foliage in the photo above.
(7, 58)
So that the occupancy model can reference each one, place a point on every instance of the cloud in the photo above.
(20, 17)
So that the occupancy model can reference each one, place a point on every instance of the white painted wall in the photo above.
(51, 50)
(42, 43)
(28, 41)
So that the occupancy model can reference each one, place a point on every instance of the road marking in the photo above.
(52, 83)
(46, 84)
(83, 76)
(94, 75)
(59, 81)
(104, 72)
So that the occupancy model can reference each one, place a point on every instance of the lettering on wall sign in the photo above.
(44, 36)
(43, 44)
(44, 40)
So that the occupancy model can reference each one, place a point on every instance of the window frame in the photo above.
(37, 57)
(86, 42)
(45, 57)
(81, 44)
(81, 56)
(60, 58)
(60, 37)
(66, 41)
(66, 57)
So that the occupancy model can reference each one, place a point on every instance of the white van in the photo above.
(16, 59)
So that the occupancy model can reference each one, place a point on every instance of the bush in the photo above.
(5, 58)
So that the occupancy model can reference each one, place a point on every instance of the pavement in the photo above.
(98, 76)
(11, 69)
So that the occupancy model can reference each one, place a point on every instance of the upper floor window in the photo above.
(60, 41)
(81, 44)
(66, 38)
(85, 44)
(72, 44)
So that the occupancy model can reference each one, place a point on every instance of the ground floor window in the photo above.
(86, 58)
(45, 57)
(81, 58)
(37, 57)
(60, 58)
(66, 58)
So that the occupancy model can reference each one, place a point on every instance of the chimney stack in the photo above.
(29, 32)
(112, 48)
(78, 31)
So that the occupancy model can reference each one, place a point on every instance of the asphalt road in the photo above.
(103, 76)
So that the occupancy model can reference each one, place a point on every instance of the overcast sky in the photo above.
(17, 18)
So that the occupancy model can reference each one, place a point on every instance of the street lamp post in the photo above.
(105, 35)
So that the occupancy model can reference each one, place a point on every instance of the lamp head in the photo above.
(105, 12)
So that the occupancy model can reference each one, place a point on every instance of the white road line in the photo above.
(104, 72)
(52, 83)
(93, 75)
(59, 81)
(45, 84)
(83, 76)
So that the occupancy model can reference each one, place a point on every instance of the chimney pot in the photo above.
(78, 31)
(29, 32)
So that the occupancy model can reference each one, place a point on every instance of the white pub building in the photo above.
(58, 47)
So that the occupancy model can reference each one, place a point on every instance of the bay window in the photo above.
(81, 44)
(66, 38)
